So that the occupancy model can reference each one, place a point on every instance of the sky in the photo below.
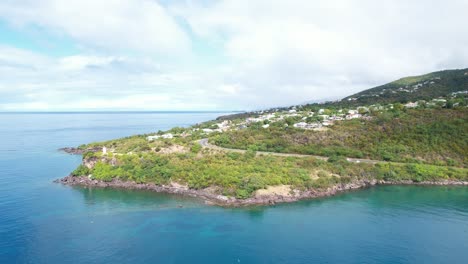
(87, 55)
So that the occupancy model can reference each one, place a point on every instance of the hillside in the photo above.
(287, 154)
(414, 88)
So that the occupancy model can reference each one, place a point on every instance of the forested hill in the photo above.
(414, 88)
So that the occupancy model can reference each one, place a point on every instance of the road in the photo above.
(205, 144)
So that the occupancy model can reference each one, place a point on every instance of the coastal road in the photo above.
(205, 144)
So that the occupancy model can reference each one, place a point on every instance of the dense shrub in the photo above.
(431, 136)
(80, 171)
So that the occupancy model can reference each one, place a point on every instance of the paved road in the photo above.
(204, 143)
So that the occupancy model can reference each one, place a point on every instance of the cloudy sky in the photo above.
(60, 55)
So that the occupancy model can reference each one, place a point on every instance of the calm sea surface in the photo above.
(44, 222)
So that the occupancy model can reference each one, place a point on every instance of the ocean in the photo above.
(46, 222)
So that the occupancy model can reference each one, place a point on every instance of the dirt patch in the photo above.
(173, 149)
(279, 190)
(317, 174)
(179, 185)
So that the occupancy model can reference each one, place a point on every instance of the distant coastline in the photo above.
(122, 112)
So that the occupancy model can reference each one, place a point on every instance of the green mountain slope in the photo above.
(423, 87)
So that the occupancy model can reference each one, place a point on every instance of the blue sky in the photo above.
(70, 55)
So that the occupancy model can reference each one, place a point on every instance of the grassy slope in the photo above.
(240, 175)
(433, 136)
(437, 135)
(450, 81)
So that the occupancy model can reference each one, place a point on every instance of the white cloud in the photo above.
(336, 47)
(80, 62)
(141, 25)
(34, 82)
(135, 54)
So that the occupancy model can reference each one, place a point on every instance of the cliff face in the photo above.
(91, 162)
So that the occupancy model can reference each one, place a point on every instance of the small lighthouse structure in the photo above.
(104, 150)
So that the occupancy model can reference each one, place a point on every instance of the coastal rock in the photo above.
(78, 151)
(210, 196)
(90, 162)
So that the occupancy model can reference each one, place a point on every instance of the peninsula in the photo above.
(411, 131)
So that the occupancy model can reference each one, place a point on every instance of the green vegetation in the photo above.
(240, 175)
(425, 141)
(140, 143)
(81, 170)
(432, 136)
(431, 85)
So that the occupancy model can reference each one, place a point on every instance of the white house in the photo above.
(353, 116)
(167, 136)
(150, 138)
(327, 123)
(305, 125)
(208, 130)
(300, 125)
(411, 105)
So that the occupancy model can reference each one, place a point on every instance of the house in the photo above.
(208, 130)
(336, 118)
(225, 123)
(353, 116)
(314, 125)
(305, 125)
(411, 105)
(167, 136)
(327, 123)
(151, 138)
(300, 125)
(223, 126)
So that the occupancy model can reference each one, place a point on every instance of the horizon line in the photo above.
(120, 111)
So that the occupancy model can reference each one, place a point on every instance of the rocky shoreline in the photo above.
(210, 197)
(78, 151)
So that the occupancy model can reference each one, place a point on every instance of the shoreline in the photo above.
(211, 198)
(78, 151)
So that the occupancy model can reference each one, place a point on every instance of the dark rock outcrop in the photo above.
(79, 151)
(211, 197)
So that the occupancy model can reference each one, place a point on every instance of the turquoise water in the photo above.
(43, 222)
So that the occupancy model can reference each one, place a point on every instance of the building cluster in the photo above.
(402, 89)
(164, 136)
(308, 120)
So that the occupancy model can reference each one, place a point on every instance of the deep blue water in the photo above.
(44, 222)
